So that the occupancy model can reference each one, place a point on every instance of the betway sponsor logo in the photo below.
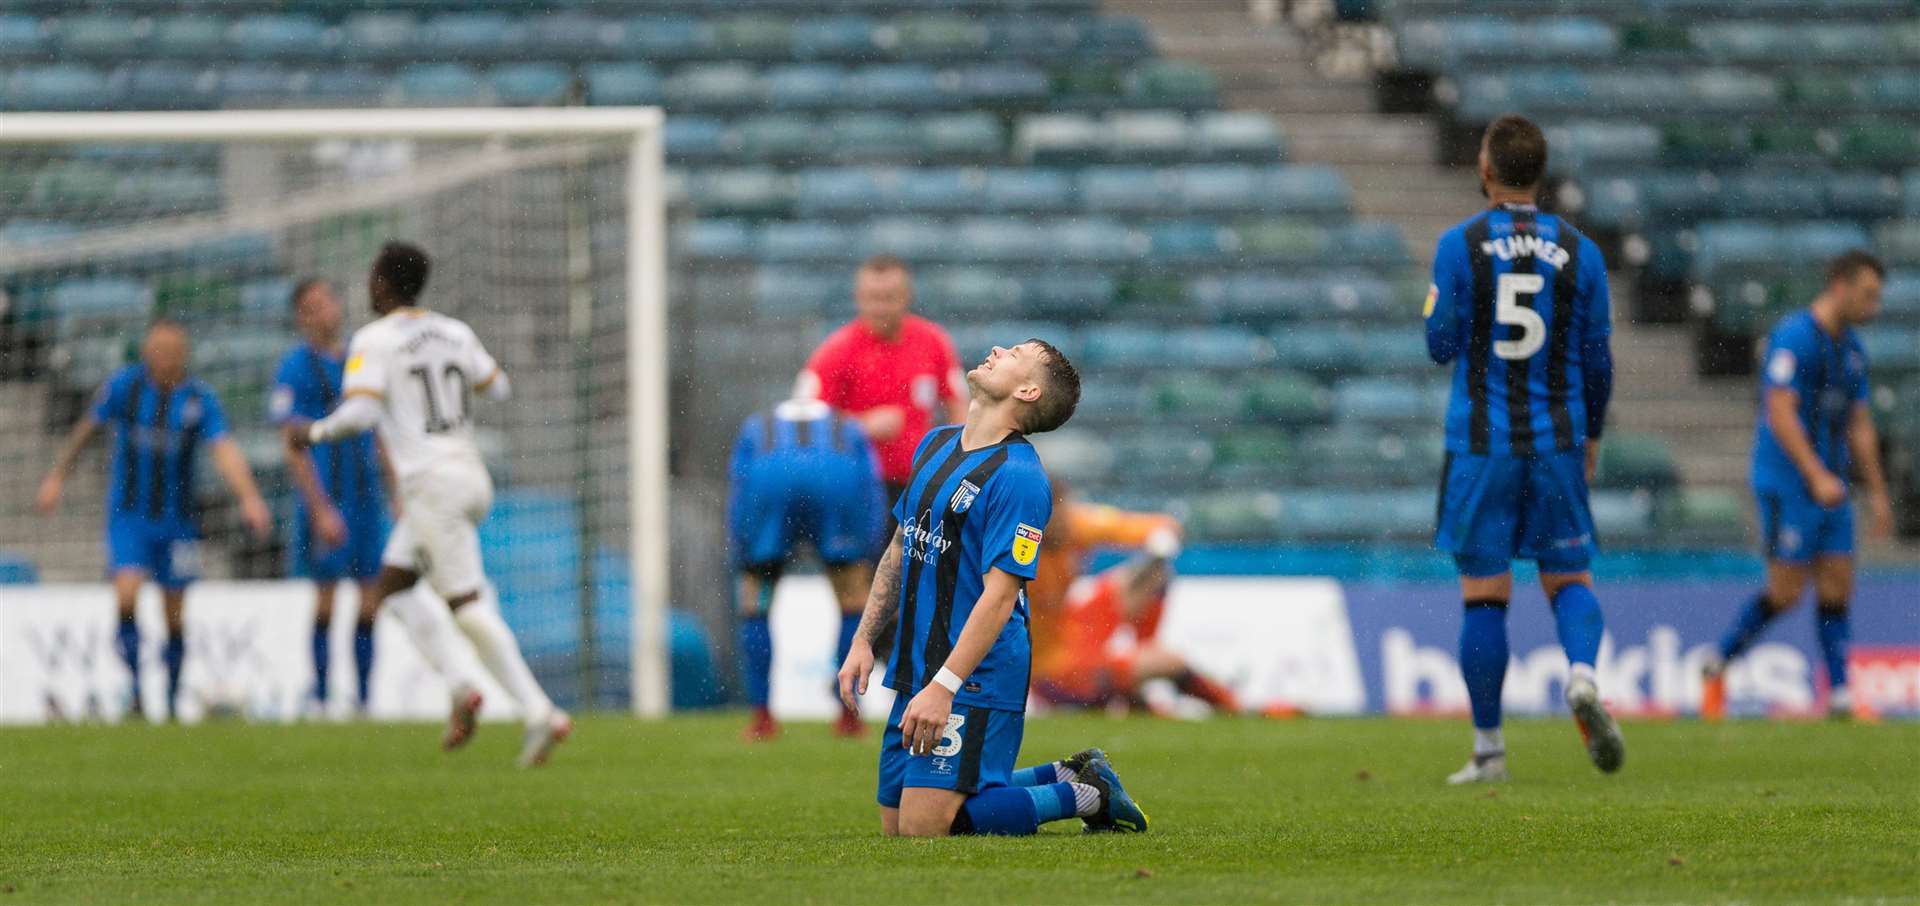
(924, 545)
(1654, 676)
(1507, 248)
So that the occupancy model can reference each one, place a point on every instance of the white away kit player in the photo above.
(412, 372)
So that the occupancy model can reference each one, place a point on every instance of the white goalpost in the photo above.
(593, 178)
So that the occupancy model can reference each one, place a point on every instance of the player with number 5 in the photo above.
(1519, 308)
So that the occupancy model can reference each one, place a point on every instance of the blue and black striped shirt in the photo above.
(157, 436)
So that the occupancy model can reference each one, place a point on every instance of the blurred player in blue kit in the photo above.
(800, 472)
(340, 523)
(971, 524)
(161, 416)
(1815, 426)
(1519, 307)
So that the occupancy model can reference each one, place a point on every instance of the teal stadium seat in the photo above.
(1190, 397)
(23, 38)
(935, 37)
(380, 37)
(666, 39)
(714, 86)
(59, 87)
(912, 238)
(896, 86)
(107, 37)
(742, 192)
(1027, 191)
(1286, 399)
(842, 37)
(427, 84)
(1146, 137)
(284, 37)
(778, 137)
(471, 36)
(753, 37)
(531, 83)
(171, 86)
(804, 86)
(969, 136)
(1235, 136)
(574, 35)
(190, 36)
(1059, 140)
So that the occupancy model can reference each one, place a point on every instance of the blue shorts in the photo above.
(1796, 530)
(356, 558)
(774, 516)
(1495, 509)
(168, 552)
(978, 752)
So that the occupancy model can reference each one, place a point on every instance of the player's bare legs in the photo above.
(1576, 617)
(754, 590)
(1785, 583)
(850, 583)
(926, 812)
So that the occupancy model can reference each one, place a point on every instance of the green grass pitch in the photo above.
(679, 811)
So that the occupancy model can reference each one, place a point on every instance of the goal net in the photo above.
(547, 233)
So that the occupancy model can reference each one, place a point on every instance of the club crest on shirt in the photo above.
(1026, 544)
(190, 412)
(1782, 366)
(963, 497)
(1433, 295)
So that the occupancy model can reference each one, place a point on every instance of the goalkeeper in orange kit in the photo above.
(1094, 637)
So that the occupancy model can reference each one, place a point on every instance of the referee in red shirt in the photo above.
(894, 371)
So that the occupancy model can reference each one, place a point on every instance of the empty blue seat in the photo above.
(22, 38)
(1235, 136)
(1253, 297)
(785, 292)
(1891, 349)
(1027, 190)
(971, 294)
(266, 300)
(1094, 240)
(379, 36)
(190, 37)
(59, 87)
(280, 37)
(938, 191)
(1004, 239)
(623, 84)
(441, 83)
(806, 86)
(1568, 38)
(1059, 139)
(1895, 90)
(104, 36)
(1386, 400)
(1898, 243)
(904, 86)
(1590, 143)
(778, 137)
(1374, 243)
(667, 38)
(170, 86)
(574, 35)
(1729, 90)
(1128, 189)
(531, 83)
(1863, 196)
(1116, 38)
(1349, 350)
(709, 86)
(1125, 346)
(353, 85)
(873, 137)
(1319, 191)
(748, 191)
(837, 192)
(1001, 84)
(1818, 241)
(471, 36)
(806, 240)
(1027, 37)
(1147, 137)
(253, 83)
(1772, 195)
(1184, 240)
(715, 238)
(834, 38)
(1070, 293)
(970, 136)
(696, 139)
(167, 190)
(94, 299)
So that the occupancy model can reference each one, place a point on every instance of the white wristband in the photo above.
(947, 680)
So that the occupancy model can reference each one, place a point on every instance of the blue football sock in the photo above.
(174, 655)
(1576, 614)
(756, 657)
(1746, 628)
(849, 625)
(1038, 775)
(1483, 659)
(322, 658)
(363, 659)
(1005, 811)
(128, 639)
(1835, 633)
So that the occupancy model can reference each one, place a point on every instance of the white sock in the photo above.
(480, 620)
(1488, 742)
(1086, 800)
(431, 627)
(1063, 774)
(1581, 671)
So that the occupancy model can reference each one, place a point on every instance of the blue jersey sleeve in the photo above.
(743, 450)
(213, 418)
(1019, 503)
(1446, 296)
(291, 389)
(1787, 347)
(1596, 346)
(110, 401)
(1858, 387)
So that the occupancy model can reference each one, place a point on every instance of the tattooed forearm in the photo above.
(884, 597)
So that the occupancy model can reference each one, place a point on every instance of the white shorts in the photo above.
(437, 535)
